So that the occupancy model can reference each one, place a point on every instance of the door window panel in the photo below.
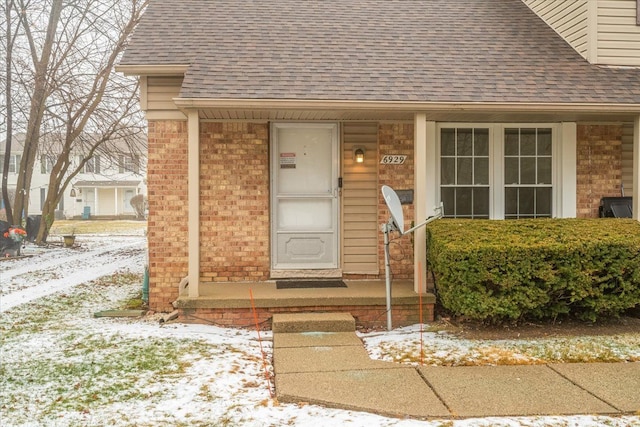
(300, 152)
(305, 214)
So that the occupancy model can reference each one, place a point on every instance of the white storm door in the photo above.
(304, 196)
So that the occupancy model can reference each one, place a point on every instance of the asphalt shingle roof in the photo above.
(376, 50)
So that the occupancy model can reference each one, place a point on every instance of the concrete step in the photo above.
(313, 322)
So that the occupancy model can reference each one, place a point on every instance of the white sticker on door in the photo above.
(287, 160)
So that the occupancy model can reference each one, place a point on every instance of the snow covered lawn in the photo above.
(61, 366)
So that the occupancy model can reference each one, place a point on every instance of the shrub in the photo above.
(138, 204)
(511, 270)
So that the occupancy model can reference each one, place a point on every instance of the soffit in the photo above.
(443, 115)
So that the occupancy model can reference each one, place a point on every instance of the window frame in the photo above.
(496, 154)
(473, 156)
(536, 157)
(92, 163)
(46, 164)
(132, 160)
(14, 160)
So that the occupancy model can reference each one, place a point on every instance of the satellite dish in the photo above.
(395, 207)
(396, 223)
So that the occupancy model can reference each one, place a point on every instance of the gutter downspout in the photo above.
(193, 179)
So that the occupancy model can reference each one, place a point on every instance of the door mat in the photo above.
(309, 284)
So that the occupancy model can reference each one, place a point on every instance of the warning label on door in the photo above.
(287, 160)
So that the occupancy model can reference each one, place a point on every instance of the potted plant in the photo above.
(69, 239)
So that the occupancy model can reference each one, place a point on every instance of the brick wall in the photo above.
(234, 200)
(234, 182)
(599, 166)
(235, 197)
(396, 138)
(167, 224)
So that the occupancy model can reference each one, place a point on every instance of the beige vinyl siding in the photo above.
(618, 33)
(161, 91)
(567, 18)
(627, 158)
(360, 200)
(157, 95)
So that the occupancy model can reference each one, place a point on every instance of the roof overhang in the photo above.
(278, 109)
(152, 70)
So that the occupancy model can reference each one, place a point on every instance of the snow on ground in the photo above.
(61, 366)
(63, 268)
(443, 349)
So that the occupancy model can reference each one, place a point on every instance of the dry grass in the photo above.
(448, 350)
(64, 227)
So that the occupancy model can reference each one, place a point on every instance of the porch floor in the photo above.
(229, 304)
(265, 295)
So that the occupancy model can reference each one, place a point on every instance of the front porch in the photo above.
(229, 304)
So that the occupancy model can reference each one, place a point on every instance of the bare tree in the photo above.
(77, 104)
(92, 109)
(41, 89)
(10, 37)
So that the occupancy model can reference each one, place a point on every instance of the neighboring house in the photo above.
(256, 112)
(103, 189)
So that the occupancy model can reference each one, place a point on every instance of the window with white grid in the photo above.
(528, 166)
(464, 172)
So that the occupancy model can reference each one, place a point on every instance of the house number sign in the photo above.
(393, 159)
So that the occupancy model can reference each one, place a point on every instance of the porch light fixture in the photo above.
(73, 193)
(358, 154)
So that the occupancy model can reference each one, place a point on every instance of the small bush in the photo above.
(499, 271)
(138, 204)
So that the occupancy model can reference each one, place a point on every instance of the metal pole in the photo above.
(387, 270)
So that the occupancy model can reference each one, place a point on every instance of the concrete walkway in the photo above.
(319, 359)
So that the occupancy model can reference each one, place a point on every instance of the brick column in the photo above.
(167, 225)
(397, 138)
(599, 166)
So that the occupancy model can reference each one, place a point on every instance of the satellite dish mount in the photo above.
(396, 223)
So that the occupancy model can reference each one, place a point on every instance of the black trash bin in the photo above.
(33, 225)
(616, 207)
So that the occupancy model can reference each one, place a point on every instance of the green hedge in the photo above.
(511, 270)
